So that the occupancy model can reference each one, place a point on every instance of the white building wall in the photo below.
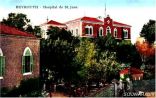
(73, 25)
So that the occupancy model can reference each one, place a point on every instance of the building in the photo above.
(48, 24)
(135, 73)
(93, 27)
(19, 56)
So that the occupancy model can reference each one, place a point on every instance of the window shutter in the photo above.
(0, 65)
(3, 65)
(31, 63)
(23, 64)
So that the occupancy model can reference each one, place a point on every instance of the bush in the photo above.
(29, 87)
(5, 92)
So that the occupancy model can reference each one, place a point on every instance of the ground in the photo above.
(58, 94)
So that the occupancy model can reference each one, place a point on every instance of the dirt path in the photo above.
(58, 95)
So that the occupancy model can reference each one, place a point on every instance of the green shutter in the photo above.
(3, 65)
(0, 65)
(23, 64)
(31, 63)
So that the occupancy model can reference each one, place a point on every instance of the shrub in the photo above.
(30, 87)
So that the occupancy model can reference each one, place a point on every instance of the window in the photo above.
(108, 30)
(2, 64)
(72, 31)
(100, 31)
(27, 61)
(89, 30)
(77, 32)
(86, 30)
(115, 32)
(125, 33)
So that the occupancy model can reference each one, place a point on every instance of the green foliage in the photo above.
(58, 53)
(16, 20)
(97, 65)
(125, 42)
(37, 31)
(106, 43)
(30, 87)
(86, 52)
(20, 21)
(148, 31)
(127, 53)
(91, 59)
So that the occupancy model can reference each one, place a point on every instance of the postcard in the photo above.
(77, 48)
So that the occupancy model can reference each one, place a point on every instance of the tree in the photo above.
(128, 54)
(58, 52)
(147, 54)
(148, 31)
(146, 51)
(85, 56)
(106, 43)
(96, 66)
(20, 21)
(37, 31)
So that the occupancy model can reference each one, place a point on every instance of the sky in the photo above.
(132, 12)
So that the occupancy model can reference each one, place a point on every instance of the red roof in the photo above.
(91, 19)
(122, 24)
(136, 71)
(124, 71)
(54, 22)
(8, 30)
(132, 71)
(87, 19)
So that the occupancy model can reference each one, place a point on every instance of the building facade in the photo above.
(48, 24)
(19, 56)
(93, 27)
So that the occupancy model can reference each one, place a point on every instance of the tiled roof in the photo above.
(91, 19)
(87, 19)
(136, 71)
(132, 71)
(121, 24)
(124, 71)
(8, 30)
(54, 22)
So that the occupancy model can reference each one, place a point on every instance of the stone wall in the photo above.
(13, 48)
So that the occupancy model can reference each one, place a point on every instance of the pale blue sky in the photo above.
(80, 3)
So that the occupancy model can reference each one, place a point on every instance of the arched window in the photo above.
(2, 64)
(100, 31)
(27, 61)
(77, 32)
(72, 31)
(115, 32)
(125, 31)
(89, 30)
(108, 30)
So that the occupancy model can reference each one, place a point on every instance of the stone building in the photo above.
(19, 56)
(48, 24)
(94, 27)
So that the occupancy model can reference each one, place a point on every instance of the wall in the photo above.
(13, 48)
